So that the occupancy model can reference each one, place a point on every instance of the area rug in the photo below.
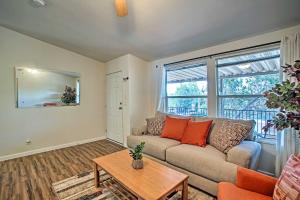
(81, 187)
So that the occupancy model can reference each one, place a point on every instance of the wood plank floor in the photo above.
(30, 177)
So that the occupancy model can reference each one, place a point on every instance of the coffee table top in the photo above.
(154, 181)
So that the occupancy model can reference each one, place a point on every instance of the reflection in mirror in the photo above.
(43, 88)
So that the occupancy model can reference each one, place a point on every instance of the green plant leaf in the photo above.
(286, 97)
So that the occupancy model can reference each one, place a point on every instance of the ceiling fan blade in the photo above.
(121, 8)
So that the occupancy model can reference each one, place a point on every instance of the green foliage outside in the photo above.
(188, 89)
(246, 86)
(229, 86)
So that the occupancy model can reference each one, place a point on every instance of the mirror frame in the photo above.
(46, 70)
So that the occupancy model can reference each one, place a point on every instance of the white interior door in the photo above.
(114, 106)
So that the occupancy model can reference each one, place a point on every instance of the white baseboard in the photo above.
(115, 142)
(45, 149)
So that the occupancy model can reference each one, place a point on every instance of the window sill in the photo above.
(271, 141)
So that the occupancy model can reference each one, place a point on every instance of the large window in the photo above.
(242, 80)
(186, 88)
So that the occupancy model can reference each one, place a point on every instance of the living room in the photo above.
(203, 93)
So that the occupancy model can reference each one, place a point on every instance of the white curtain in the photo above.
(161, 89)
(288, 141)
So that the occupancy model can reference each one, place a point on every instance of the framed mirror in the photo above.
(44, 88)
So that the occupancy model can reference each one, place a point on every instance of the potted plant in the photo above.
(69, 95)
(286, 98)
(137, 156)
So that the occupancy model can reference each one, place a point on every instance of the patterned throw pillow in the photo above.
(155, 125)
(229, 135)
(288, 184)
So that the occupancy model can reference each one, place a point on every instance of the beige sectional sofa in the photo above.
(206, 166)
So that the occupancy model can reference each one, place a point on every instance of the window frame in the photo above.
(78, 91)
(220, 96)
(202, 63)
(213, 97)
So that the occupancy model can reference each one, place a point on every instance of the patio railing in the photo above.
(201, 112)
(260, 116)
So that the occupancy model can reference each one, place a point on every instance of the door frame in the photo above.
(106, 132)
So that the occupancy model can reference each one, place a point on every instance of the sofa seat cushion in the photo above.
(206, 161)
(154, 145)
(229, 191)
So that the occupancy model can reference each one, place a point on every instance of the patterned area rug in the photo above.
(81, 187)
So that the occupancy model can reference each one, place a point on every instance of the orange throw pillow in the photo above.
(196, 133)
(174, 127)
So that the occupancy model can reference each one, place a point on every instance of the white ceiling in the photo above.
(153, 29)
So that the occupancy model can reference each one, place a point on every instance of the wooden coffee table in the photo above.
(154, 181)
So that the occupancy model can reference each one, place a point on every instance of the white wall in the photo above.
(268, 153)
(47, 126)
(137, 91)
(134, 90)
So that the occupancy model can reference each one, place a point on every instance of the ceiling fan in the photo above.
(121, 8)
(120, 5)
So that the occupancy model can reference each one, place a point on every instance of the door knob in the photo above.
(120, 108)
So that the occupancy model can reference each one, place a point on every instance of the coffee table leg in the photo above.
(185, 190)
(96, 173)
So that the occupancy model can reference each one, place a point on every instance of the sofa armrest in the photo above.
(254, 181)
(139, 131)
(246, 154)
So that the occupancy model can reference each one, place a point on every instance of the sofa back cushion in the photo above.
(218, 122)
(174, 128)
(216, 125)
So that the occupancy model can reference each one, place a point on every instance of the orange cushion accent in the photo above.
(196, 133)
(228, 191)
(174, 127)
(254, 181)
